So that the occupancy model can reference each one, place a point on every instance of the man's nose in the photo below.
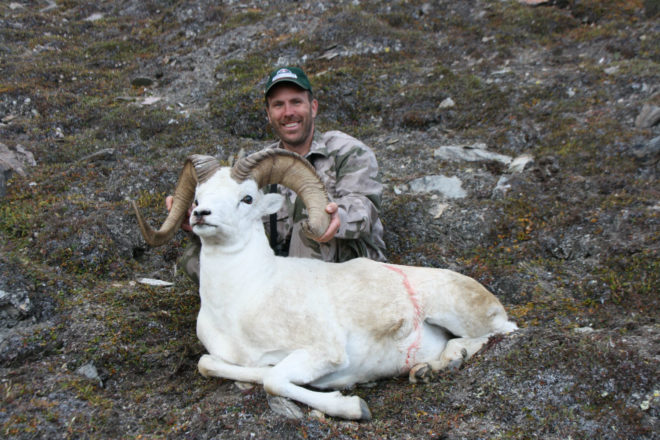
(288, 109)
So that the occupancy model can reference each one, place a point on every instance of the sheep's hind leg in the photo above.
(300, 367)
(213, 366)
(421, 373)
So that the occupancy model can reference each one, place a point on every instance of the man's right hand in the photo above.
(335, 222)
(169, 200)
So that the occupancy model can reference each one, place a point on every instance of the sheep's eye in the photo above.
(247, 200)
(196, 202)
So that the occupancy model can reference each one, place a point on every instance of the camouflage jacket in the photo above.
(349, 170)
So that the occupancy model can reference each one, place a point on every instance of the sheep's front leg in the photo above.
(302, 368)
(213, 366)
(457, 351)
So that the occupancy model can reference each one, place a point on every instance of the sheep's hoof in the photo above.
(364, 409)
(284, 407)
(458, 362)
(420, 373)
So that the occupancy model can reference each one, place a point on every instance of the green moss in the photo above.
(633, 280)
(250, 16)
(118, 51)
(237, 104)
(519, 24)
(16, 218)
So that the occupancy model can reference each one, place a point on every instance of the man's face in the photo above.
(291, 115)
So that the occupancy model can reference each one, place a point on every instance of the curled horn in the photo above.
(197, 169)
(293, 171)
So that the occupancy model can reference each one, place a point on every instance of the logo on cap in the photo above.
(293, 75)
(284, 73)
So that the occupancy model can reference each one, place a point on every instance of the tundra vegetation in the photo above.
(110, 97)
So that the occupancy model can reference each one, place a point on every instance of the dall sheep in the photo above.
(288, 323)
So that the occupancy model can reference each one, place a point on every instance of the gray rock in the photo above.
(95, 17)
(477, 152)
(572, 244)
(101, 155)
(51, 5)
(472, 153)
(546, 168)
(583, 330)
(16, 159)
(284, 407)
(519, 164)
(5, 174)
(450, 187)
(13, 161)
(647, 150)
(447, 103)
(90, 372)
(648, 116)
(15, 306)
(502, 187)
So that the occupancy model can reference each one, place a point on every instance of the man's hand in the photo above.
(329, 234)
(169, 200)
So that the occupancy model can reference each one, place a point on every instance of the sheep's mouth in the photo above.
(203, 224)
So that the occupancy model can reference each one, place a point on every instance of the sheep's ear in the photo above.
(271, 203)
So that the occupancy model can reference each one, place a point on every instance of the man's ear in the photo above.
(271, 203)
(315, 107)
(268, 111)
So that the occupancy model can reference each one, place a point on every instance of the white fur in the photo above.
(290, 322)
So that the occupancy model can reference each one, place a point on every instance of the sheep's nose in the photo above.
(201, 212)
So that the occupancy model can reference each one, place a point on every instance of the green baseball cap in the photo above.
(293, 75)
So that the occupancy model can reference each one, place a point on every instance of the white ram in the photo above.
(290, 322)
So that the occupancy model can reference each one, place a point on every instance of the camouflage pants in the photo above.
(189, 261)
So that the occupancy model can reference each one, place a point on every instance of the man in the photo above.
(347, 167)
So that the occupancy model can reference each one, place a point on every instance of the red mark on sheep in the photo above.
(414, 347)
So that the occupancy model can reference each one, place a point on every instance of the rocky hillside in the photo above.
(519, 144)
